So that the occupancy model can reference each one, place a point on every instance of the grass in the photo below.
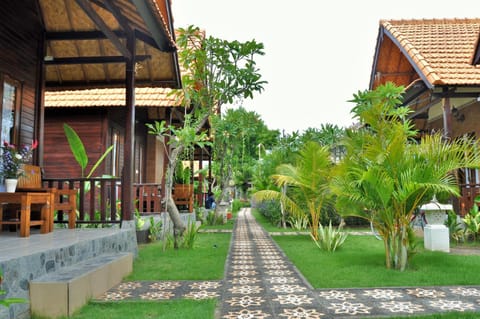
(360, 263)
(205, 262)
(178, 309)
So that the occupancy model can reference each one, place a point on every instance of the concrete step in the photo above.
(63, 292)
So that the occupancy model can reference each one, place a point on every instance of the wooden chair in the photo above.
(183, 195)
(65, 200)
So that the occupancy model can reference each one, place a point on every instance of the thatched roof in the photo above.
(87, 43)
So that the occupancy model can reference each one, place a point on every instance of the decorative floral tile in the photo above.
(205, 285)
(162, 285)
(246, 289)
(451, 305)
(241, 273)
(115, 295)
(281, 280)
(462, 291)
(401, 306)
(247, 314)
(277, 272)
(288, 288)
(426, 293)
(337, 295)
(245, 280)
(201, 294)
(157, 295)
(129, 285)
(349, 308)
(292, 299)
(301, 313)
(245, 301)
(383, 294)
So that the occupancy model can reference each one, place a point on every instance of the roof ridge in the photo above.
(431, 21)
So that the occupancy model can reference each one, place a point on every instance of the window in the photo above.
(10, 110)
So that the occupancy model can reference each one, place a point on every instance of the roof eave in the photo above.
(415, 66)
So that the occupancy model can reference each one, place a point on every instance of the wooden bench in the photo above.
(64, 200)
(183, 195)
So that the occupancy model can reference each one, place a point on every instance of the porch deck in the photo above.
(23, 259)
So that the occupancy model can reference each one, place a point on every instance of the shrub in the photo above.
(271, 210)
(237, 204)
(214, 219)
(330, 239)
(298, 222)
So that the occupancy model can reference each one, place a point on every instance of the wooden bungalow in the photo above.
(98, 116)
(51, 45)
(434, 59)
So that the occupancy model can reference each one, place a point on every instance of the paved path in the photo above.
(260, 282)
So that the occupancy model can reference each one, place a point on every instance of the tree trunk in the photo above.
(178, 226)
(282, 207)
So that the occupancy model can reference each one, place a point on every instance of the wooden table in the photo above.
(26, 199)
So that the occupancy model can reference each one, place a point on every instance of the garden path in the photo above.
(260, 282)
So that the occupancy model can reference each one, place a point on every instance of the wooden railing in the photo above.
(98, 200)
(101, 204)
(148, 198)
(466, 200)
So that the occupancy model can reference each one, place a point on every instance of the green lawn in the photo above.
(205, 262)
(360, 263)
(177, 309)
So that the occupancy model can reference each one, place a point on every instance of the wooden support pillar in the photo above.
(127, 180)
(447, 118)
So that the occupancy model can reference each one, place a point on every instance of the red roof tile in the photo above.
(111, 97)
(442, 49)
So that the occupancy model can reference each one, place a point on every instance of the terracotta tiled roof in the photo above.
(146, 97)
(442, 49)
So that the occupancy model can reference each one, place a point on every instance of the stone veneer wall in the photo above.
(21, 270)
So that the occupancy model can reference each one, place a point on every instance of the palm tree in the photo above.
(386, 174)
(309, 180)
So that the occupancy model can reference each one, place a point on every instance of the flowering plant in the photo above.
(13, 158)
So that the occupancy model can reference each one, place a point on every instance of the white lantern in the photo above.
(435, 233)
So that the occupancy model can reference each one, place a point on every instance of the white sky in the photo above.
(318, 53)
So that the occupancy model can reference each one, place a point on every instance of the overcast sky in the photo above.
(318, 53)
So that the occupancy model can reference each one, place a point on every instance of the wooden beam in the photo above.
(157, 30)
(128, 165)
(92, 14)
(97, 35)
(92, 60)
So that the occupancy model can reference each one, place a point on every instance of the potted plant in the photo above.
(13, 159)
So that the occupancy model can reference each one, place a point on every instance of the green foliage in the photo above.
(270, 209)
(79, 152)
(299, 222)
(472, 220)
(329, 238)
(238, 204)
(455, 228)
(139, 221)
(154, 229)
(386, 175)
(309, 180)
(213, 219)
(190, 236)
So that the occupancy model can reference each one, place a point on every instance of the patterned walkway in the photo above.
(260, 282)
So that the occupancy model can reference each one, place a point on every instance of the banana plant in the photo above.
(79, 152)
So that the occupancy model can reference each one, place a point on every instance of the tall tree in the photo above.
(241, 137)
(216, 72)
(386, 174)
(310, 177)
